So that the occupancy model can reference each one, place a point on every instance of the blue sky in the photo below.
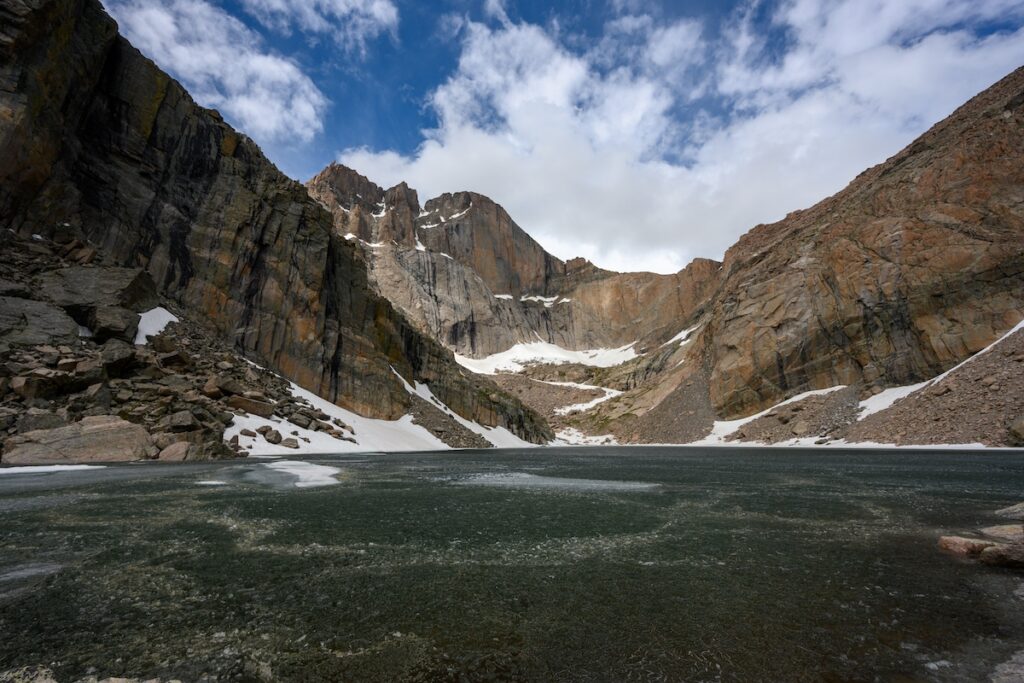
(637, 134)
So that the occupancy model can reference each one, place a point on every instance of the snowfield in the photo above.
(521, 355)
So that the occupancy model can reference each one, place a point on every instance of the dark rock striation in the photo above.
(98, 142)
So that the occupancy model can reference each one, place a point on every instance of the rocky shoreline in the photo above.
(1000, 545)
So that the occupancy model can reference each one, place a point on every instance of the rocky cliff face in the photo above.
(97, 141)
(466, 274)
(917, 264)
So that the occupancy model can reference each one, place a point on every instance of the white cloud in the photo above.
(350, 23)
(583, 148)
(223, 65)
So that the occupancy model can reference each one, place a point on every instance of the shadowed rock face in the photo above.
(917, 264)
(96, 139)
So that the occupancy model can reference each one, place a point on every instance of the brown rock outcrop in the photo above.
(917, 264)
(99, 141)
(101, 438)
(466, 274)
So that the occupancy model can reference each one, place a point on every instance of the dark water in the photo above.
(707, 565)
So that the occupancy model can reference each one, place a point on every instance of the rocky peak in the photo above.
(346, 188)
(478, 233)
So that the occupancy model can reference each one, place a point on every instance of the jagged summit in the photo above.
(475, 280)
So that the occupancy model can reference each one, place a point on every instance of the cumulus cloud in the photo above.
(224, 66)
(350, 23)
(663, 142)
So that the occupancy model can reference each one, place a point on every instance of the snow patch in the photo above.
(888, 397)
(548, 301)
(44, 469)
(370, 434)
(535, 481)
(682, 336)
(580, 407)
(520, 355)
(419, 245)
(725, 428)
(499, 437)
(350, 236)
(570, 436)
(152, 323)
(507, 297)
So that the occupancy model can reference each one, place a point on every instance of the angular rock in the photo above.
(26, 323)
(1009, 555)
(81, 290)
(251, 406)
(963, 546)
(166, 188)
(273, 436)
(175, 451)
(290, 442)
(1017, 432)
(104, 438)
(181, 421)
(113, 322)
(1012, 512)
(118, 357)
(34, 419)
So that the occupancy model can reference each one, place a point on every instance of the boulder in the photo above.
(228, 385)
(965, 547)
(1012, 512)
(251, 406)
(1004, 555)
(1017, 432)
(117, 357)
(181, 421)
(102, 438)
(34, 419)
(273, 436)
(176, 451)
(290, 442)
(25, 322)
(80, 290)
(113, 322)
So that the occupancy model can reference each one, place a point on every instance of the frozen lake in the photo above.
(547, 564)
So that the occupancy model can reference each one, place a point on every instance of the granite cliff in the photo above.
(101, 145)
(465, 273)
(914, 267)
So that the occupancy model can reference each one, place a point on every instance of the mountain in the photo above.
(101, 146)
(911, 269)
(465, 273)
(343, 311)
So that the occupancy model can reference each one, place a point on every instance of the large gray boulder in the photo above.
(80, 290)
(32, 323)
(101, 438)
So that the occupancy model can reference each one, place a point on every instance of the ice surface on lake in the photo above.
(536, 481)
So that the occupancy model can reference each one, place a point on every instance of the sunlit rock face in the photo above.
(916, 265)
(96, 139)
(468, 275)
